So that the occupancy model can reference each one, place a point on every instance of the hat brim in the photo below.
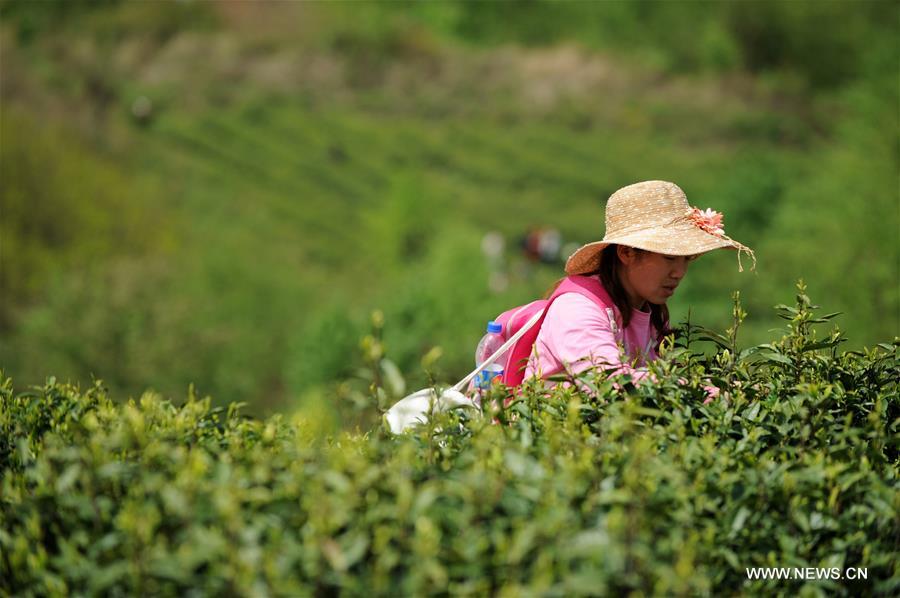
(677, 239)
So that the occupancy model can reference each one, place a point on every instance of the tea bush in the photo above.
(628, 488)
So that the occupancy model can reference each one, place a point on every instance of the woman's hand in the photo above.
(711, 393)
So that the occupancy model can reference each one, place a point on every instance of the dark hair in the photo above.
(609, 277)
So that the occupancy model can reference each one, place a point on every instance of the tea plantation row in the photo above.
(643, 490)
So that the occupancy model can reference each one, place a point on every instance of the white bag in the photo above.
(415, 408)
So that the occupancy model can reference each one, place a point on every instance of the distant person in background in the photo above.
(542, 245)
(492, 246)
(652, 235)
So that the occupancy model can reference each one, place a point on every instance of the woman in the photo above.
(652, 234)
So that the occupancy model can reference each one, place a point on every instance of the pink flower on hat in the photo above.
(708, 220)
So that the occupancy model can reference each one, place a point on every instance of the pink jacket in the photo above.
(578, 333)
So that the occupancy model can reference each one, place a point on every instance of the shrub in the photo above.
(643, 489)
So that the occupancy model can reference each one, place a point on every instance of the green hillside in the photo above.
(222, 193)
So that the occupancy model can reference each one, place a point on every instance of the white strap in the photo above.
(459, 386)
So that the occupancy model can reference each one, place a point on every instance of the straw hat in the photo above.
(656, 216)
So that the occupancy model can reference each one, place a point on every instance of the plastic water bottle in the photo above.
(487, 346)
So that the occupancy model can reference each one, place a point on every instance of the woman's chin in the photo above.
(665, 294)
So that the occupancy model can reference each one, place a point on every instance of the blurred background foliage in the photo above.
(220, 193)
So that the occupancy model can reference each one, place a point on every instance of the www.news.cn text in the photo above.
(806, 573)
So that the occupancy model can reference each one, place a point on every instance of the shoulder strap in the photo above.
(592, 289)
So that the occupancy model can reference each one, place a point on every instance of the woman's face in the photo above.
(651, 277)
